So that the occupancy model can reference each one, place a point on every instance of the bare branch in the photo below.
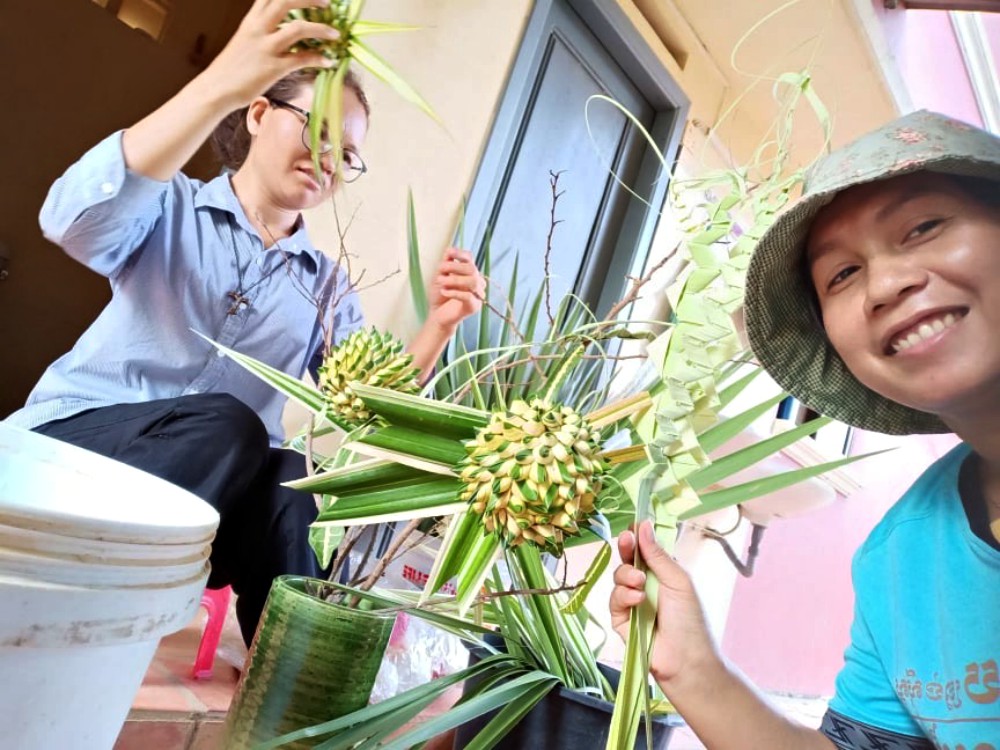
(633, 293)
(390, 554)
(351, 537)
(529, 592)
(556, 194)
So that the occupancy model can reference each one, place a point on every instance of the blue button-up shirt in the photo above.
(173, 251)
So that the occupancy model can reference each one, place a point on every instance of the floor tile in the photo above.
(154, 696)
(208, 734)
(155, 735)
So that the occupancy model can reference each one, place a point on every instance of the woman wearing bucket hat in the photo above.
(876, 300)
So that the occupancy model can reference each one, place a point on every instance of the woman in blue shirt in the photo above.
(231, 259)
(875, 299)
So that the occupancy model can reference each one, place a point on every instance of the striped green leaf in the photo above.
(722, 432)
(727, 394)
(416, 443)
(356, 477)
(417, 288)
(744, 458)
(519, 690)
(417, 499)
(368, 28)
(294, 388)
(741, 493)
(415, 412)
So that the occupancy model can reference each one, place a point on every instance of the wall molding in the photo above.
(975, 47)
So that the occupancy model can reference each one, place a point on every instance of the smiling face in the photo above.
(907, 274)
(279, 159)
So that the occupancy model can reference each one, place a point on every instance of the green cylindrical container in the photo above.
(310, 661)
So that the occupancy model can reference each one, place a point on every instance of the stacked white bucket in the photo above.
(98, 561)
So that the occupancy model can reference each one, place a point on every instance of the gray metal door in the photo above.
(571, 51)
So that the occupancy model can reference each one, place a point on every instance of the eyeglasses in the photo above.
(352, 166)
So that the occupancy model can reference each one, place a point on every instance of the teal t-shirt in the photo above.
(925, 643)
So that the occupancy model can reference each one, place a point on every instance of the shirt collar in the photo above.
(218, 194)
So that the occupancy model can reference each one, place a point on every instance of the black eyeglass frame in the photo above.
(350, 171)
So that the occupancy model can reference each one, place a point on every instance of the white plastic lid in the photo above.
(55, 487)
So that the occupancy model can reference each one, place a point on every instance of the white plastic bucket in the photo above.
(85, 594)
(74, 671)
(55, 487)
(95, 550)
(54, 569)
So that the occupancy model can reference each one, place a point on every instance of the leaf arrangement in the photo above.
(326, 113)
(508, 442)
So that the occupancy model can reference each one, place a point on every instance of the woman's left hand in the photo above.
(458, 289)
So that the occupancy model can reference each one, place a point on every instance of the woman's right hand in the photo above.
(258, 54)
(681, 641)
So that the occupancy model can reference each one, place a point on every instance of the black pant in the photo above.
(216, 447)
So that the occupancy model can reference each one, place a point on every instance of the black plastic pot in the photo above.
(566, 720)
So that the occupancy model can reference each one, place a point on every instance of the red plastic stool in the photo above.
(216, 604)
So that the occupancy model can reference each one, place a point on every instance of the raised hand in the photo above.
(457, 290)
(681, 641)
(258, 54)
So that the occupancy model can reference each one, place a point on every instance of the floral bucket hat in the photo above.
(783, 328)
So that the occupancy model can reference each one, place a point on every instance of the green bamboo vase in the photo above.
(310, 661)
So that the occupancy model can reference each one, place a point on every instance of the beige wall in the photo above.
(458, 60)
(733, 92)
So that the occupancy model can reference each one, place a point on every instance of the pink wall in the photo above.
(789, 624)
(929, 60)
(991, 22)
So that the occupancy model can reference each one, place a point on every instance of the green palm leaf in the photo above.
(417, 288)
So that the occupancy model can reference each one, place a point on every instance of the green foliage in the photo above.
(420, 444)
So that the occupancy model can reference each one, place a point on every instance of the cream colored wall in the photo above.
(732, 99)
(769, 37)
(458, 60)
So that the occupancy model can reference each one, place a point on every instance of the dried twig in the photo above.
(359, 572)
(351, 537)
(528, 592)
(637, 283)
(390, 554)
(556, 194)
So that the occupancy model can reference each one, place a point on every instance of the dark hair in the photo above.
(231, 140)
(980, 189)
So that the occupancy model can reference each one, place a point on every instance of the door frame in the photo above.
(608, 22)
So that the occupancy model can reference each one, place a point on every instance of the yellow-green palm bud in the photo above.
(368, 357)
(337, 15)
(533, 474)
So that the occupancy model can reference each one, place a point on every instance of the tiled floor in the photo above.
(173, 711)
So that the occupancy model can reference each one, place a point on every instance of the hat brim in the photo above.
(785, 335)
